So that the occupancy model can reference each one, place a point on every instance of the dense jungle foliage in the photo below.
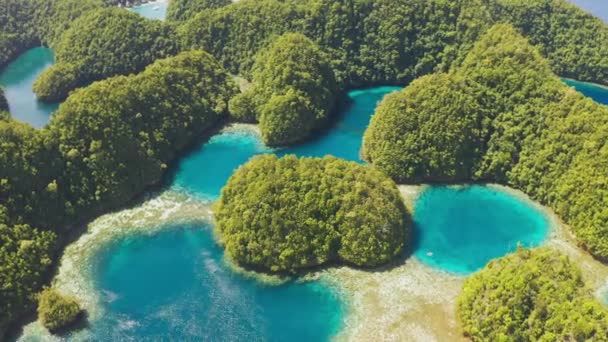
(294, 91)
(185, 9)
(531, 295)
(25, 257)
(535, 134)
(57, 311)
(501, 116)
(105, 144)
(100, 44)
(27, 23)
(286, 214)
(396, 41)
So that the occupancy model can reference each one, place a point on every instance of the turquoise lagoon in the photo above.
(205, 171)
(17, 79)
(152, 10)
(460, 229)
(597, 92)
(174, 284)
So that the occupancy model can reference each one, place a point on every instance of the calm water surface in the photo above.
(17, 79)
(594, 91)
(460, 229)
(599, 8)
(174, 285)
(206, 170)
(152, 10)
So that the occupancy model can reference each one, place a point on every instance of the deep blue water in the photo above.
(152, 10)
(17, 79)
(460, 229)
(594, 91)
(174, 286)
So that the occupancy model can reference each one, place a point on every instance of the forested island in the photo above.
(485, 104)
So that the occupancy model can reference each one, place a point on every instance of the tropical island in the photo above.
(484, 103)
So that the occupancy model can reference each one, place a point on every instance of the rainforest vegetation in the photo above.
(509, 120)
(531, 295)
(112, 139)
(286, 214)
(100, 44)
(181, 10)
(294, 91)
(104, 145)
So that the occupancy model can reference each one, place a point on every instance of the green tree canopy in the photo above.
(100, 44)
(294, 90)
(25, 256)
(287, 214)
(501, 116)
(531, 295)
(182, 10)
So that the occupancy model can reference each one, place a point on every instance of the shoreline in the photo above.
(605, 87)
(408, 300)
(165, 210)
(414, 301)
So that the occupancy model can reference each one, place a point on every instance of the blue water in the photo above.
(460, 229)
(174, 286)
(152, 10)
(597, 93)
(205, 171)
(17, 79)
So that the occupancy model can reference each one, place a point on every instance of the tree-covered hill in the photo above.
(103, 43)
(501, 116)
(294, 91)
(531, 295)
(289, 214)
(396, 41)
(509, 118)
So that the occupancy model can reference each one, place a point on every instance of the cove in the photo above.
(596, 92)
(152, 10)
(460, 229)
(174, 285)
(207, 169)
(17, 79)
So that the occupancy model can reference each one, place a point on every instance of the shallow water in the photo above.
(174, 285)
(152, 10)
(17, 79)
(460, 229)
(597, 93)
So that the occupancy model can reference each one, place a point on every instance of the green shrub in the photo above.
(57, 311)
(288, 214)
